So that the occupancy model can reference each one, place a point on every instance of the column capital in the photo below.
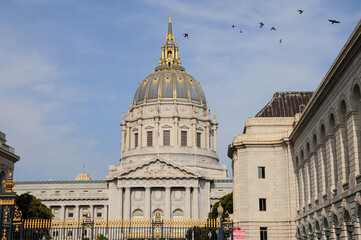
(167, 187)
(147, 187)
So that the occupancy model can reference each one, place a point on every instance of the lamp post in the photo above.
(327, 233)
(338, 229)
(350, 227)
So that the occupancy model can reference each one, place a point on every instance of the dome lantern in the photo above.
(170, 82)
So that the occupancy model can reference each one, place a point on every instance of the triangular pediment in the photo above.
(158, 169)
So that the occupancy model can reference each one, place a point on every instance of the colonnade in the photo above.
(122, 206)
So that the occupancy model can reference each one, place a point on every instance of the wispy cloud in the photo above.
(68, 69)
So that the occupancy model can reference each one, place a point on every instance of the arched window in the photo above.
(344, 135)
(332, 132)
(178, 214)
(137, 214)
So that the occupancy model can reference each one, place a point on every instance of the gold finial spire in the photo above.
(10, 183)
(170, 17)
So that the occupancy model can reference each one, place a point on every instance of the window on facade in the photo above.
(262, 204)
(263, 233)
(261, 172)
(183, 138)
(135, 139)
(149, 138)
(71, 212)
(85, 212)
(57, 193)
(99, 213)
(199, 140)
(56, 213)
(166, 138)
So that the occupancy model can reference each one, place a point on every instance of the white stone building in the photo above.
(169, 160)
(311, 161)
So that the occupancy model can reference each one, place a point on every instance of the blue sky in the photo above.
(68, 69)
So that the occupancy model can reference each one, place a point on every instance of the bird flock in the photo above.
(261, 24)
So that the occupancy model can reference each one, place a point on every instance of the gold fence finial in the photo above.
(9, 184)
(170, 17)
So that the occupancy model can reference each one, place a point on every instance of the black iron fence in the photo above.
(12, 227)
(156, 228)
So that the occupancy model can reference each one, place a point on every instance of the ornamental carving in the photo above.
(358, 198)
(158, 169)
(323, 213)
(344, 204)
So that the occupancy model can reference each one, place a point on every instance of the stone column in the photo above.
(140, 135)
(91, 210)
(206, 135)
(76, 212)
(167, 212)
(127, 140)
(353, 139)
(187, 203)
(215, 138)
(147, 203)
(126, 211)
(175, 133)
(120, 203)
(113, 199)
(195, 203)
(322, 169)
(331, 155)
(62, 212)
(342, 157)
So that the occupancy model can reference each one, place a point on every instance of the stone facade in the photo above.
(312, 163)
(7, 159)
(169, 160)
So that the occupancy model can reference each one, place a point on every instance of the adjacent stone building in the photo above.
(169, 160)
(298, 174)
(7, 159)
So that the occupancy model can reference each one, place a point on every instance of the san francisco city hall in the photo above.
(296, 166)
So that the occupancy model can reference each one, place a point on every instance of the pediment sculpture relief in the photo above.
(158, 169)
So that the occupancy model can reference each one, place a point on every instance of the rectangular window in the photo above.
(261, 172)
(57, 193)
(135, 139)
(262, 204)
(263, 233)
(71, 212)
(166, 138)
(199, 140)
(183, 138)
(85, 212)
(149, 138)
(99, 213)
(56, 213)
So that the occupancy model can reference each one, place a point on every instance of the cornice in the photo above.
(341, 62)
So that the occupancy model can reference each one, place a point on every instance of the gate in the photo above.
(12, 227)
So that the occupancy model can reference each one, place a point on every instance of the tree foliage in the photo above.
(227, 204)
(32, 208)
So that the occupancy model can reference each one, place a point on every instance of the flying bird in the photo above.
(233, 26)
(333, 21)
(186, 35)
(261, 24)
(300, 11)
(240, 31)
(273, 28)
(281, 40)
